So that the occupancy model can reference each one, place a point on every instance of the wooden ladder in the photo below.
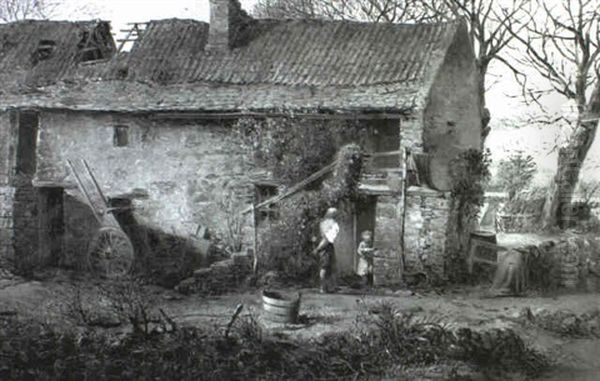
(134, 33)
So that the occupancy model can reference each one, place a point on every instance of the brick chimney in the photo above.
(227, 19)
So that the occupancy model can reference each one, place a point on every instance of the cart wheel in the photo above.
(110, 253)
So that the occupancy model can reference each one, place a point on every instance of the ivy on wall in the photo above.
(293, 149)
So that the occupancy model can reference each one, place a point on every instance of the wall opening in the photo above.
(121, 136)
(28, 123)
(52, 225)
(383, 145)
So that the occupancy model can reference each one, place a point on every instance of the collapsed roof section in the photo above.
(268, 65)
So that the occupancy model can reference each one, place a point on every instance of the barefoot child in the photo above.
(365, 258)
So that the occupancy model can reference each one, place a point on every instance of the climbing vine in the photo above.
(293, 149)
(470, 173)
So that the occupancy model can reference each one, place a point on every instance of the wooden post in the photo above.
(254, 243)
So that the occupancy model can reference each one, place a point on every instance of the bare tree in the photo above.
(492, 24)
(14, 10)
(362, 10)
(562, 44)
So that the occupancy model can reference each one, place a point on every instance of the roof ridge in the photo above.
(455, 21)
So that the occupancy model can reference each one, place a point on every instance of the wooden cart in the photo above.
(110, 252)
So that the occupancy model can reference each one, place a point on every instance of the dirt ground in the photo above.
(323, 313)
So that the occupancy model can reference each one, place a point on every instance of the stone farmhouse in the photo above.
(154, 124)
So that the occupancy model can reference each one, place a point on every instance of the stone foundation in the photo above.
(7, 195)
(428, 215)
(221, 277)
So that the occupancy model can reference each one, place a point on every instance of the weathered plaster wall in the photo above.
(452, 117)
(180, 168)
(428, 214)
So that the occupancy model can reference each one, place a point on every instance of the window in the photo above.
(121, 136)
(262, 193)
(44, 51)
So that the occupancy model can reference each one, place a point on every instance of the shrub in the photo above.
(516, 173)
(34, 351)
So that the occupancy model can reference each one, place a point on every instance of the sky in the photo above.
(120, 12)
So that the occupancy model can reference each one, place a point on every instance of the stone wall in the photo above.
(221, 277)
(426, 238)
(7, 150)
(26, 226)
(411, 133)
(7, 194)
(7, 191)
(565, 262)
(387, 264)
(176, 172)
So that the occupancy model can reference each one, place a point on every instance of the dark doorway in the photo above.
(52, 226)
(28, 123)
(365, 220)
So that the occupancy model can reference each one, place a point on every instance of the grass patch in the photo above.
(390, 341)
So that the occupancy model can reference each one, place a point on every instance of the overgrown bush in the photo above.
(567, 323)
(523, 212)
(470, 172)
(33, 351)
(294, 148)
(288, 241)
(116, 303)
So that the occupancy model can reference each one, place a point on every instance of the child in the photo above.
(365, 258)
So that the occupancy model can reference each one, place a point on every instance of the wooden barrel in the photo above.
(280, 307)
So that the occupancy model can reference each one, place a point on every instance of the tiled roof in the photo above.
(292, 52)
(294, 64)
(19, 42)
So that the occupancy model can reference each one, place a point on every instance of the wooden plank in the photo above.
(94, 182)
(84, 191)
(295, 188)
(385, 153)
